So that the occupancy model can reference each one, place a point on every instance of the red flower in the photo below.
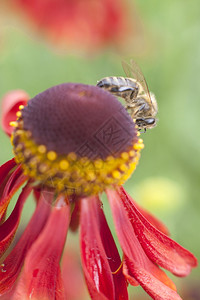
(71, 143)
(87, 24)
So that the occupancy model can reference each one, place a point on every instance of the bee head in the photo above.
(145, 123)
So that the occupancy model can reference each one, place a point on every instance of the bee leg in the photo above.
(140, 122)
(144, 130)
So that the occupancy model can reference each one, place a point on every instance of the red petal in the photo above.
(153, 220)
(6, 168)
(41, 277)
(10, 185)
(9, 270)
(75, 218)
(99, 253)
(9, 227)
(10, 105)
(156, 289)
(139, 264)
(160, 248)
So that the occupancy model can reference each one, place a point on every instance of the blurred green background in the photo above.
(167, 178)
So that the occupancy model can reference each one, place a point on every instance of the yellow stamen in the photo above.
(91, 175)
(42, 149)
(43, 168)
(64, 164)
(13, 124)
(18, 114)
(132, 153)
(68, 173)
(123, 167)
(72, 156)
(138, 133)
(140, 141)
(51, 155)
(116, 174)
(125, 156)
(21, 107)
(138, 146)
(118, 269)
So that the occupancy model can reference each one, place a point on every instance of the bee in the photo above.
(134, 90)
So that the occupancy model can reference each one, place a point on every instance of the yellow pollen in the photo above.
(27, 153)
(123, 167)
(140, 141)
(42, 149)
(138, 133)
(19, 147)
(43, 168)
(18, 114)
(69, 173)
(60, 186)
(125, 156)
(132, 153)
(21, 107)
(110, 160)
(51, 155)
(98, 163)
(116, 174)
(13, 124)
(64, 164)
(28, 134)
(91, 176)
(72, 156)
(138, 146)
(33, 162)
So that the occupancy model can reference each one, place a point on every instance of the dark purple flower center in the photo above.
(75, 117)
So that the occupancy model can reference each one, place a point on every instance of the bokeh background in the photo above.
(163, 37)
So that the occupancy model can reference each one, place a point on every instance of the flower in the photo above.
(89, 24)
(71, 143)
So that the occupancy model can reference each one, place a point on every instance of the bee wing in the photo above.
(132, 70)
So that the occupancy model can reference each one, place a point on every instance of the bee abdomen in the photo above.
(116, 81)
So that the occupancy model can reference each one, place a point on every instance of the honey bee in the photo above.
(134, 90)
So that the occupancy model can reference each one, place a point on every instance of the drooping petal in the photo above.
(10, 185)
(160, 248)
(41, 276)
(9, 227)
(99, 253)
(10, 105)
(153, 220)
(11, 266)
(75, 218)
(137, 264)
(5, 169)
(156, 289)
